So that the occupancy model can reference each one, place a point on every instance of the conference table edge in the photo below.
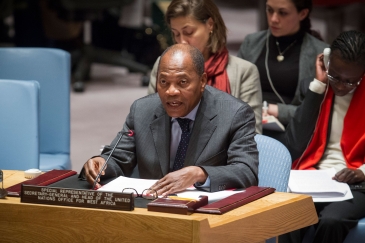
(267, 217)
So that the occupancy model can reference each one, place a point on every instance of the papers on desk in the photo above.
(319, 184)
(118, 184)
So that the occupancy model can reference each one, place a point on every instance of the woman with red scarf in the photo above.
(199, 23)
(328, 131)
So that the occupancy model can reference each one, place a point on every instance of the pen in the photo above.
(265, 108)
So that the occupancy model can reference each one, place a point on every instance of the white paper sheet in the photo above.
(118, 184)
(319, 184)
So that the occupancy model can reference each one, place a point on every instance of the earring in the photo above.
(211, 33)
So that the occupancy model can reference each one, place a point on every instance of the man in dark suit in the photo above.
(217, 150)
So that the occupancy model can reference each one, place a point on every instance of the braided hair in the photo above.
(351, 46)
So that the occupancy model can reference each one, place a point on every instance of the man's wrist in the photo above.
(202, 175)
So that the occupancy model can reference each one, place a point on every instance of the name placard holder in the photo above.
(77, 198)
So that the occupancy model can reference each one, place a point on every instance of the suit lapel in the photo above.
(161, 130)
(203, 129)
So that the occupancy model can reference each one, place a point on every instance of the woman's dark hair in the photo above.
(351, 46)
(305, 24)
(201, 10)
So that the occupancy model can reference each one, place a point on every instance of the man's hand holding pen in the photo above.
(92, 168)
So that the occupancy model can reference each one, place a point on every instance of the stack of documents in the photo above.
(319, 184)
(118, 184)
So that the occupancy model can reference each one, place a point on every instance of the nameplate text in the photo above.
(77, 197)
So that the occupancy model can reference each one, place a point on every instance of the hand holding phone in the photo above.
(326, 56)
(322, 66)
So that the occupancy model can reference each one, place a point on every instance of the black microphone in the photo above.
(130, 133)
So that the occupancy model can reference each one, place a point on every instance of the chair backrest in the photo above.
(51, 68)
(274, 163)
(19, 124)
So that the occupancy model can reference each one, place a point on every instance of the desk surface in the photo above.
(270, 216)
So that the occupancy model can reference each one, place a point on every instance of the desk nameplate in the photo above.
(77, 198)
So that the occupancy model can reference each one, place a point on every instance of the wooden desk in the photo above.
(270, 216)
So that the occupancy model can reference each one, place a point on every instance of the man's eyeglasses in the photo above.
(146, 194)
(336, 81)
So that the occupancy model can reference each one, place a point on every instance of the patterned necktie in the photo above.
(183, 145)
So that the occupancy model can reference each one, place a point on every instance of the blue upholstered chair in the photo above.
(274, 165)
(274, 171)
(356, 234)
(51, 68)
(19, 124)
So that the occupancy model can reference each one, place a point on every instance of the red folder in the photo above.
(227, 204)
(42, 180)
(179, 206)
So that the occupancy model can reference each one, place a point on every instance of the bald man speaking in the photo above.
(185, 134)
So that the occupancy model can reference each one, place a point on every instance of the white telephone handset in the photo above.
(326, 56)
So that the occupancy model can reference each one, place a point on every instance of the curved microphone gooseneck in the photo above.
(130, 133)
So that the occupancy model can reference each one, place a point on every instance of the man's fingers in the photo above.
(167, 190)
(175, 181)
(163, 187)
(89, 173)
(163, 191)
(92, 168)
(163, 182)
(157, 186)
(159, 189)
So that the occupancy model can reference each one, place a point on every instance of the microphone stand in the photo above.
(130, 133)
